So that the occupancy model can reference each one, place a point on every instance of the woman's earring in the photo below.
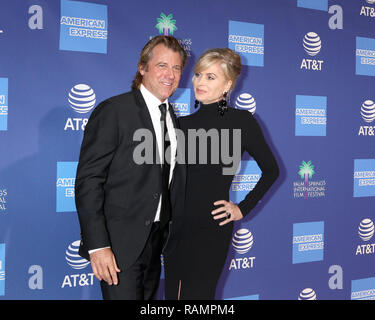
(222, 104)
(196, 103)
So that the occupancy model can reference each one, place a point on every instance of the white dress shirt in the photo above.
(153, 107)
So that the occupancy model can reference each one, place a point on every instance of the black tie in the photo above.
(165, 212)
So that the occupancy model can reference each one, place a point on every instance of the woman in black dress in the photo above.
(193, 268)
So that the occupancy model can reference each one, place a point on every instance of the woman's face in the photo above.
(210, 84)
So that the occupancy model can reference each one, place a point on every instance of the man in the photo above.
(124, 208)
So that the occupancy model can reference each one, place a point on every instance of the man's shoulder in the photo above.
(118, 102)
(121, 98)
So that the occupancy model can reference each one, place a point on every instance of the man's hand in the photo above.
(104, 266)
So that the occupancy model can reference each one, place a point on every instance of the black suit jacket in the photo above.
(117, 199)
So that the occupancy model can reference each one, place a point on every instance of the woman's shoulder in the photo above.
(241, 115)
(184, 120)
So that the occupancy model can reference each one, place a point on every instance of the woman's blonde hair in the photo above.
(231, 63)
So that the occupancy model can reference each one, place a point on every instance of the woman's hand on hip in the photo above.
(228, 211)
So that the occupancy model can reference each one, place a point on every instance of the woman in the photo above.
(193, 268)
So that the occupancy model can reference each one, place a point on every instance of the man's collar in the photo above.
(149, 97)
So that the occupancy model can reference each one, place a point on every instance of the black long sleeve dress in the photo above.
(194, 267)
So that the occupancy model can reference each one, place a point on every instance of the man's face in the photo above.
(163, 72)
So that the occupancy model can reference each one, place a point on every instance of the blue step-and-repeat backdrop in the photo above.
(308, 77)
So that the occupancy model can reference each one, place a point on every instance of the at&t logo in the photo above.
(368, 115)
(242, 242)
(246, 101)
(368, 11)
(312, 45)
(366, 231)
(73, 258)
(82, 100)
(76, 262)
(307, 294)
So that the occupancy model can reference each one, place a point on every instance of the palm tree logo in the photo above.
(166, 24)
(306, 171)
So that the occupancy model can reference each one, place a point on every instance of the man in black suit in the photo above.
(125, 206)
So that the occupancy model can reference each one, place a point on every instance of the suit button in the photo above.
(147, 223)
(156, 195)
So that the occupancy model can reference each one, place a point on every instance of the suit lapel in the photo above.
(176, 126)
(147, 121)
(173, 116)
